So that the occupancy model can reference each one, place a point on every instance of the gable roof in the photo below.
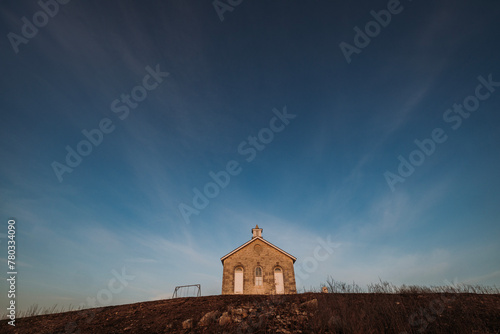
(252, 240)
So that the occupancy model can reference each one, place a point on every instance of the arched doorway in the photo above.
(278, 280)
(238, 280)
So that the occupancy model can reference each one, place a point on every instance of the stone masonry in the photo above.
(258, 253)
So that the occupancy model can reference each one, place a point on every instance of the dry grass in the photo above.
(379, 308)
(387, 287)
(35, 309)
(386, 308)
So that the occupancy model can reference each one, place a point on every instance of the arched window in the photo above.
(258, 276)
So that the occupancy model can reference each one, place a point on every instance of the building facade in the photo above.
(258, 267)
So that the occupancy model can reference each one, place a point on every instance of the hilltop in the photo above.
(300, 313)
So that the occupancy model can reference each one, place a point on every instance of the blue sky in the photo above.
(322, 174)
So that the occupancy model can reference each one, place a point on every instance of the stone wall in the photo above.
(251, 256)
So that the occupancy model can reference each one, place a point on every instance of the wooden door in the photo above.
(238, 281)
(278, 281)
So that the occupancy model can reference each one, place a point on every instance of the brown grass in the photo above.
(379, 308)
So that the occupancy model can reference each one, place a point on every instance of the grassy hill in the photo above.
(300, 313)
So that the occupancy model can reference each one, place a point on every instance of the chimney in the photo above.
(256, 232)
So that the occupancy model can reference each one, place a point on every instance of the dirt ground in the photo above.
(300, 313)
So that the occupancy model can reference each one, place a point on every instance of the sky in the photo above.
(142, 140)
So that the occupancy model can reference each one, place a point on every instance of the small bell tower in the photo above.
(257, 232)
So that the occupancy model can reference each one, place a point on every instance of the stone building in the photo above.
(258, 267)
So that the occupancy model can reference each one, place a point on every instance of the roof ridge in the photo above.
(252, 240)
